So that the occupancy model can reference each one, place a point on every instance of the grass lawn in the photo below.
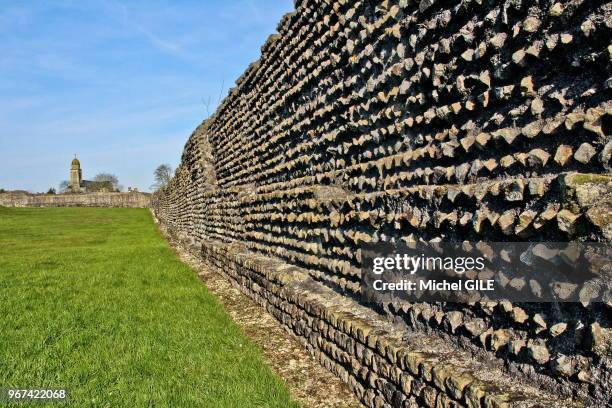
(94, 300)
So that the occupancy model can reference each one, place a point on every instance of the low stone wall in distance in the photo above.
(121, 200)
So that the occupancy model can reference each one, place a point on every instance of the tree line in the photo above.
(161, 176)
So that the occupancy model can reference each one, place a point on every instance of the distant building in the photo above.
(76, 175)
(78, 185)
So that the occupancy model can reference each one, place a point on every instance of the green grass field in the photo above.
(94, 300)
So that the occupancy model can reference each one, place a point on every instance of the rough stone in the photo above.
(515, 346)
(585, 153)
(556, 9)
(500, 338)
(563, 366)
(538, 352)
(557, 329)
(567, 221)
(528, 87)
(538, 157)
(531, 24)
(519, 315)
(563, 154)
(537, 106)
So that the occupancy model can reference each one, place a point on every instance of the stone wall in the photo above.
(132, 200)
(370, 121)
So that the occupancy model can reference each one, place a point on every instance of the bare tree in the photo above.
(63, 186)
(108, 177)
(162, 176)
(206, 102)
(207, 106)
(221, 91)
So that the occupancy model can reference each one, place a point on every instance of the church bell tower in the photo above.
(76, 175)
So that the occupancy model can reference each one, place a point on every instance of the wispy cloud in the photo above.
(255, 10)
(155, 40)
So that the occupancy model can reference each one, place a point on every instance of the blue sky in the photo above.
(121, 84)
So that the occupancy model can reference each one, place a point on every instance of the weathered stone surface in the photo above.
(422, 120)
(567, 221)
(538, 352)
(557, 329)
(563, 366)
(499, 339)
(531, 24)
(528, 86)
(585, 153)
(515, 346)
(600, 339)
(121, 200)
(563, 154)
(556, 9)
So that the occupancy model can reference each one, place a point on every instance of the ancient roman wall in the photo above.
(132, 200)
(388, 121)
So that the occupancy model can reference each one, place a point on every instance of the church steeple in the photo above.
(76, 175)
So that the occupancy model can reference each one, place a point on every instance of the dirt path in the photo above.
(309, 383)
